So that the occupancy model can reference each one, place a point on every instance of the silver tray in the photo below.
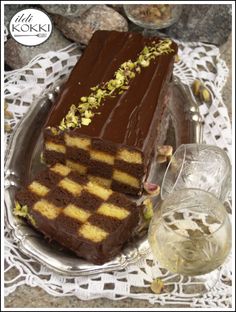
(23, 160)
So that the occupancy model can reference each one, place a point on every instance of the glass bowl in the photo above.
(153, 16)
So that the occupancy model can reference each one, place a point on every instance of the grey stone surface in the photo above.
(12, 9)
(118, 7)
(27, 297)
(99, 17)
(66, 9)
(226, 54)
(205, 23)
(17, 55)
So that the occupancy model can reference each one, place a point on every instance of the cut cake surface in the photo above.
(92, 221)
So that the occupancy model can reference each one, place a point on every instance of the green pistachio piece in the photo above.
(94, 88)
(85, 121)
(21, 211)
(132, 75)
(62, 128)
(100, 93)
(88, 114)
(32, 220)
(196, 87)
(124, 65)
(145, 50)
(119, 76)
(109, 86)
(54, 130)
(205, 95)
(130, 64)
(148, 209)
(83, 107)
(144, 63)
(62, 124)
(83, 99)
(71, 125)
(42, 160)
(91, 100)
(140, 58)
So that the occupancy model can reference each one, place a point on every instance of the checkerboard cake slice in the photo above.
(92, 221)
(112, 112)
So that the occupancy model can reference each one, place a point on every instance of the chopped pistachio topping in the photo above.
(32, 220)
(42, 160)
(23, 211)
(83, 113)
(54, 130)
(148, 209)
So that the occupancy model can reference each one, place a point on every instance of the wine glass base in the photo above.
(207, 281)
(150, 32)
(187, 285)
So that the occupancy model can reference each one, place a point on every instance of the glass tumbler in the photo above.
(153, 16)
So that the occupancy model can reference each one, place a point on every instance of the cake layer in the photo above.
(80, 214)
(120, 134)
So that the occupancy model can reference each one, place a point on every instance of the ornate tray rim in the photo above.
(29, 241)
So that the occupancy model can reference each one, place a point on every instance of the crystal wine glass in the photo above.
(190, 236)
(200, 166)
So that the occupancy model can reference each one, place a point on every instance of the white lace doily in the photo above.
(198, 60)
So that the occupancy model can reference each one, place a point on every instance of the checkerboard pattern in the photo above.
(76, 206)
(120, 169)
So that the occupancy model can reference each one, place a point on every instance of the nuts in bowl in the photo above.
(154, 16)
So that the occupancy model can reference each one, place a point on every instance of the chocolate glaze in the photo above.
(131, 118)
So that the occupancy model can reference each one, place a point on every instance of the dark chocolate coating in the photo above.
(129, 119)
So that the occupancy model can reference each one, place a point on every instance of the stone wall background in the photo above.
(77, 23)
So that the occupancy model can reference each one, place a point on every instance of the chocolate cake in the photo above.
(92, 221)
(111, 113)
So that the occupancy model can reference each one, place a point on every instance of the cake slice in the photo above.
(112, 112)
(92, 221)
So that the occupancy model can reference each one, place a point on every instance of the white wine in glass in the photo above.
(191, 233)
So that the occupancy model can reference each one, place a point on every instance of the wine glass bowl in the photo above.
(190, 233)
(201, 166)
